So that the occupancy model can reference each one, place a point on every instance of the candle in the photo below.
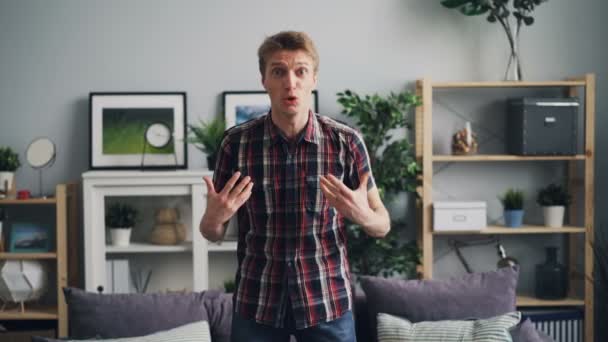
(468, 130)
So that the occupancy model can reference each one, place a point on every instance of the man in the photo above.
(292, 177)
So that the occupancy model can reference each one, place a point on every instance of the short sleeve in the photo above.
(359, 162)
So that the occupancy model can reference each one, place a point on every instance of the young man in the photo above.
(292, 177)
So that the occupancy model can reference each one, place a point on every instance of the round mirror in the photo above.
(40, 153)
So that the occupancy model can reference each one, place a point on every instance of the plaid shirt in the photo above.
(291, 242)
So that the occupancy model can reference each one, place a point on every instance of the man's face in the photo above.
(289, 79)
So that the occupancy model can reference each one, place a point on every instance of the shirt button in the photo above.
(289, 263)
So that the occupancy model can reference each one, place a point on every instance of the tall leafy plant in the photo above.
(395, 170)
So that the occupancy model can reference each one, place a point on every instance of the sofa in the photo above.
(473, 296)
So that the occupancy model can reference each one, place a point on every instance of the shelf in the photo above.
(27, 256)
(224, 246)
(140, 247)
(32, 311)
(507, 84)
(531, 301)
(28, 201)
(526, 229)
(502, 157)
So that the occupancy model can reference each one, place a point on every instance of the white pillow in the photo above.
(192, 332)
(495, 329)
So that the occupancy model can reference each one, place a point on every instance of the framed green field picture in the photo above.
(138, 130)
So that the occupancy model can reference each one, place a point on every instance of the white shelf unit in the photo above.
(183, 266)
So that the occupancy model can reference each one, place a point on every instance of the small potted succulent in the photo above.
(553, 198)
(9, 163)
(120, 219)
(207, 137)
(513, 204)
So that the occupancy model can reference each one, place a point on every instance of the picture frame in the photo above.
(120, 124)
(29, 237)
(242, 106)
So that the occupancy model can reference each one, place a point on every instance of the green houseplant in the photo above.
(120, 218)
(553, 198)
(9, 163)
(395, 170)
(511, 15)
(513, 204)
(207, 137)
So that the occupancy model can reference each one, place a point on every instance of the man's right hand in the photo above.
(222, 205)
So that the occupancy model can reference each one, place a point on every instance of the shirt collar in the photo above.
(310, 133)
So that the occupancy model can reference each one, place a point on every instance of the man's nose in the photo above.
(291, 80)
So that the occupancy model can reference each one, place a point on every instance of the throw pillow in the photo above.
(127, 315)
(475, 295)
(192, 332)
(495, 329)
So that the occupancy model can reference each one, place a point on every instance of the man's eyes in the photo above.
(279, 72)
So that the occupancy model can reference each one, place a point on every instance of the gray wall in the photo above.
(52, 54)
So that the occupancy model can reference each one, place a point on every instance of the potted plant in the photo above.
(513, 204)
(9, 163)
(553, 198)
(120, 219)
(229, 285)
(207, 137)
(395, 170)
(500, 11)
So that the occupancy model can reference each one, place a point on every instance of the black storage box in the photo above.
(542, 126)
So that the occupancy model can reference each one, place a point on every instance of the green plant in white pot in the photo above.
(513, 204)
(120, 219)
(553, 198)
(9, 163)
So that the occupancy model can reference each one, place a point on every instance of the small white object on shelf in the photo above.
(22, 280)
(459, 216)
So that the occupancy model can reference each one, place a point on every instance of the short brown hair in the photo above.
(287, 40)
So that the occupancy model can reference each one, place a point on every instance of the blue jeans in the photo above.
(339, 330)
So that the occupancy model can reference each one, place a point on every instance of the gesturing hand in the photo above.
(222, 205)
(352, 204)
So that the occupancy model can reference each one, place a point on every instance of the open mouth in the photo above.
(291, 99)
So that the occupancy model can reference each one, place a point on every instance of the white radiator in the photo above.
(563, 325)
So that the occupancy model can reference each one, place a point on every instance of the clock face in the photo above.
(158, 135)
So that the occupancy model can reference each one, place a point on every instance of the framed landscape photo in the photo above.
(142, 130)
(242, 106)
(28, 237)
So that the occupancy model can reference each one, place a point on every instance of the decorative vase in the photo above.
(513, 72)
(120, 236)
(551, 277)
(514, 218)
(554, 215)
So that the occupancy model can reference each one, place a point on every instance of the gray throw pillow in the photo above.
(495, 329)
(476, 295)
(191, 332)
(126, 315)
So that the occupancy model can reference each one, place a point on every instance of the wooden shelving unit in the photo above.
(64, 194)
(584, 181)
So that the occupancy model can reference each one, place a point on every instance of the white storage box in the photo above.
(459, 216)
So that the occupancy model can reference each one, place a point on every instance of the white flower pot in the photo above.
(554, 215)
(6, 176)
(120, 236)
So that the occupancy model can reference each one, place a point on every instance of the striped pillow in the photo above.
(192, 332)
(396, 329)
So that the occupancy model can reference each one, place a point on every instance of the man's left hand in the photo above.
(353, 204)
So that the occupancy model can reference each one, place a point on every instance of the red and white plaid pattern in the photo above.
(291, 242)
